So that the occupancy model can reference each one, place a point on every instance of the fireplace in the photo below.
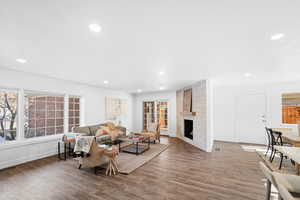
(188, 128)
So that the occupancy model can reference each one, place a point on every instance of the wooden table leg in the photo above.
(112, 168)
(115, 165)
(58, 150)
(65, 153)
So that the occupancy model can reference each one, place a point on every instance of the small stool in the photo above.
(112, 167)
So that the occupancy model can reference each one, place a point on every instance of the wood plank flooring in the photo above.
(181, 172)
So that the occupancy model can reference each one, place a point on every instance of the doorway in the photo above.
(248, 125)
(156, 112)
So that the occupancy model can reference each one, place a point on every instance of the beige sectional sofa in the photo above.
(92, 129)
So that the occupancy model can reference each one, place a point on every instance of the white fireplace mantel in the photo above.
(202, 131)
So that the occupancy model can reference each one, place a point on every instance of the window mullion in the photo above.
(66, 114)
(20, 124)
(81, 111)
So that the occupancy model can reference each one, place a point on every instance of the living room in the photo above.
(149, 100)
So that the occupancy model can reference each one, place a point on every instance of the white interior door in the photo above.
(248, 126)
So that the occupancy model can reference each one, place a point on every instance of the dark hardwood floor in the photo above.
(181, 172)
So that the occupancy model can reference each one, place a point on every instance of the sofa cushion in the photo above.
(115, 134)
(94, 129)
(122, 130)
(103, 138)
(102, 131)
(84, 130)
(110, 125)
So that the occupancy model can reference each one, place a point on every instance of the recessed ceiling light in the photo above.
(161, 73)
(95, 28)
(105, 82)
(277, 36)
(21, 60)
(161, 88)
(247, 75)
(139, 90)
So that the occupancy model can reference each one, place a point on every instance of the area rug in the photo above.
(127, 162)
(253, 148)
(287, 166)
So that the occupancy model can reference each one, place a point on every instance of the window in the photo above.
(149, 115)
(8, 115)
(156, 112)
(291, 108)
(74, 112)
(43, 115)
(162, 112)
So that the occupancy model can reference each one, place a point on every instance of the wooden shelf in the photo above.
(189, 113)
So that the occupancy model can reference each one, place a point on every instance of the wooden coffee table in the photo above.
(139, 144)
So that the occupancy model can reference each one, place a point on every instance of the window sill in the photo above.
(38, 140)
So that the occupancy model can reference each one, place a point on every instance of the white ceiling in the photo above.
(187, 39)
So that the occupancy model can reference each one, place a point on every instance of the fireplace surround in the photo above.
(194, 115)
(188, 128)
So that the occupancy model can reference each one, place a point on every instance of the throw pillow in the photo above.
(110, 125)
(102, 131)
(114, 134)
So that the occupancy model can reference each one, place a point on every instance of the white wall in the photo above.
(210, 115)
(169, 96)
(225, 99)
(93, 112)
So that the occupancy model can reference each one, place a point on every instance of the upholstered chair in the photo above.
(153, 129)
(290, 182)
(94, 158)
(270, 179)
(285, 194)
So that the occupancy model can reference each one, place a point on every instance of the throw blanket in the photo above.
(83, 143)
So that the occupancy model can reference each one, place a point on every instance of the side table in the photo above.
(67, 148)
(112, 167)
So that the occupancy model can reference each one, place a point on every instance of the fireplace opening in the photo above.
(188, 128)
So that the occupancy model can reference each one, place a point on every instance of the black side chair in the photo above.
(276, 139)
(272, 141)
(269, 145)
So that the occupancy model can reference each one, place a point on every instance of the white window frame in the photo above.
(81, 120)
(6, 89)
(155, 111)
(44, 93)
(20, 135)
